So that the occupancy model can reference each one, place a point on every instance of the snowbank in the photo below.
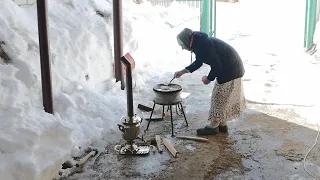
(34, 144)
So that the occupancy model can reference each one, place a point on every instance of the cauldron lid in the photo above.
(167, 88)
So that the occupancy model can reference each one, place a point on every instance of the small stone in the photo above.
(66, 165)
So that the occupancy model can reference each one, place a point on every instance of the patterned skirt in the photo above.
(227, 101)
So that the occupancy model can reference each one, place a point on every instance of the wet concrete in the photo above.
(258, 146)
(274, 147)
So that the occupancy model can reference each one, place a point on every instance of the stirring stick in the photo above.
(171, 80)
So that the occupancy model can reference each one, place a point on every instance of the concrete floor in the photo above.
(258, 146)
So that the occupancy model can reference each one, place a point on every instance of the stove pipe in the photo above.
(128, 87)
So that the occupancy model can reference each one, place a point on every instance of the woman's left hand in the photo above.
(205, 80)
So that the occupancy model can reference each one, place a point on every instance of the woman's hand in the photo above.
(205, 80)
(178, 74)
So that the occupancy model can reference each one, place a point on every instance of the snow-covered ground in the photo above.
(34, 144)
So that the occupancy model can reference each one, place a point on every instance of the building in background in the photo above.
(23, 3)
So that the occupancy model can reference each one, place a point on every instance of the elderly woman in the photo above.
(227, 99)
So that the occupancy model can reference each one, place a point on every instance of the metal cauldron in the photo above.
(167, 93)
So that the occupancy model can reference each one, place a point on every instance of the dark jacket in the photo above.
(225, 62)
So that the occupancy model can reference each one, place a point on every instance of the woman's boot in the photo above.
(223, 128)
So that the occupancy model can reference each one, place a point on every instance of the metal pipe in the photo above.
(44, 56)
(129, 87)
(117, 31)
(311, 13)
(205, 17)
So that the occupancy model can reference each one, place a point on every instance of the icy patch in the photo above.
(190, 148)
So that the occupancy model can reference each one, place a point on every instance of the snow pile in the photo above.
(34, 144)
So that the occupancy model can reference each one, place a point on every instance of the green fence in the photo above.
(207, 12)
(167, 3)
